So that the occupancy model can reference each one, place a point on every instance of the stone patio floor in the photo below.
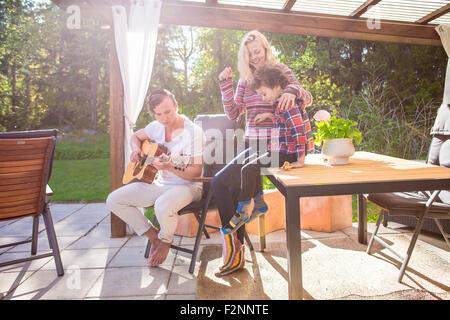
(99, 267)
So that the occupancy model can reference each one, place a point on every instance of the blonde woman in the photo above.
(254, 51)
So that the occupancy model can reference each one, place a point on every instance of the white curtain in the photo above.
(444, 32)
(135, 38)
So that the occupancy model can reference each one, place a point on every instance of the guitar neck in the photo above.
(150, 160)
(178, 161)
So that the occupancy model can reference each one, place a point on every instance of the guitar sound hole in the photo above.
(139, 165)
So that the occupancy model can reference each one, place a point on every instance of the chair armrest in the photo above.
(48, 191)
(202, 179)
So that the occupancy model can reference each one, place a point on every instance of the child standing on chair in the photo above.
(291, 140)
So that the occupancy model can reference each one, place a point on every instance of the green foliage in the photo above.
(372, 210)
(81, 169)
(337, 129)
(267, 184)
(80, 180)
(52, 76)
(83, 146)
(150, 215)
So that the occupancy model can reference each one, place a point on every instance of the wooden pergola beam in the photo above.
(104, 13)
(434, 15)
(249, 18)
(289, 4)
(214, 15)
(363, 8)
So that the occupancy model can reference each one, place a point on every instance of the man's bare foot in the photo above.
(160, 253)
(152, 235)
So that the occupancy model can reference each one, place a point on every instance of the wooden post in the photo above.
(116, 95)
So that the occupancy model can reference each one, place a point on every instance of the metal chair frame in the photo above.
(200, 208)
(420, 218)
(195, 208)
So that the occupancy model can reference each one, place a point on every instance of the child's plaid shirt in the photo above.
(292, 131)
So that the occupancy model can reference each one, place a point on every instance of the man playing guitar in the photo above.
(174, 188)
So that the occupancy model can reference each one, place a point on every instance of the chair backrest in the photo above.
(439, 154)
(220, 135)
(33, 134)
(24, 173)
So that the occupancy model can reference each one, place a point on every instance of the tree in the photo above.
(48, 73)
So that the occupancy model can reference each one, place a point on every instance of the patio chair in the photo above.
(26, 160)
(420, 205)
(224, 128)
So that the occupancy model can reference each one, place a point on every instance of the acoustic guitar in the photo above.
(144, 171)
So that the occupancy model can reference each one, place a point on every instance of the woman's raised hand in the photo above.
(287, 101)
(225, 74)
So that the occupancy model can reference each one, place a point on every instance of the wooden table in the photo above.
(366, 173)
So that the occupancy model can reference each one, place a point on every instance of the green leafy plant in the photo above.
(330, 127)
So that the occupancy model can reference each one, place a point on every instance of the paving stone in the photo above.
(311, 234)
(106, 220)
(94, 242)
(89, 258)
(131, 282)
(10, 280)
(182, 282)
(184, 259)
(20, 228)
(151, 297)
(98, 208)
(101, 230)
(115, 268)
(43, 245)
(94, 213)
(5, 223)
(12, 239)
(393, 227)
(45, 284)
(141, 241)
(181, 297)
(84, 219)
(23, 266)
(136, 241)
(63, 229)
(62, 210)
(134, 257)
(215, 238)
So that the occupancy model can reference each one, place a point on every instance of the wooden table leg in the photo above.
(362, 219)
(294, 250)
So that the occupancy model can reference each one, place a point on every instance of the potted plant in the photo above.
(337, 136)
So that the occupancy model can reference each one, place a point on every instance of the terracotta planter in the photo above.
(337, 151)
(324, 214)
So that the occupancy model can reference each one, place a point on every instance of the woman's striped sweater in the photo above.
(246, 100)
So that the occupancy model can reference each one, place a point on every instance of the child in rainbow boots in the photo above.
(291, 141)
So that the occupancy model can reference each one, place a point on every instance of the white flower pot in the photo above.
(337, 151)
